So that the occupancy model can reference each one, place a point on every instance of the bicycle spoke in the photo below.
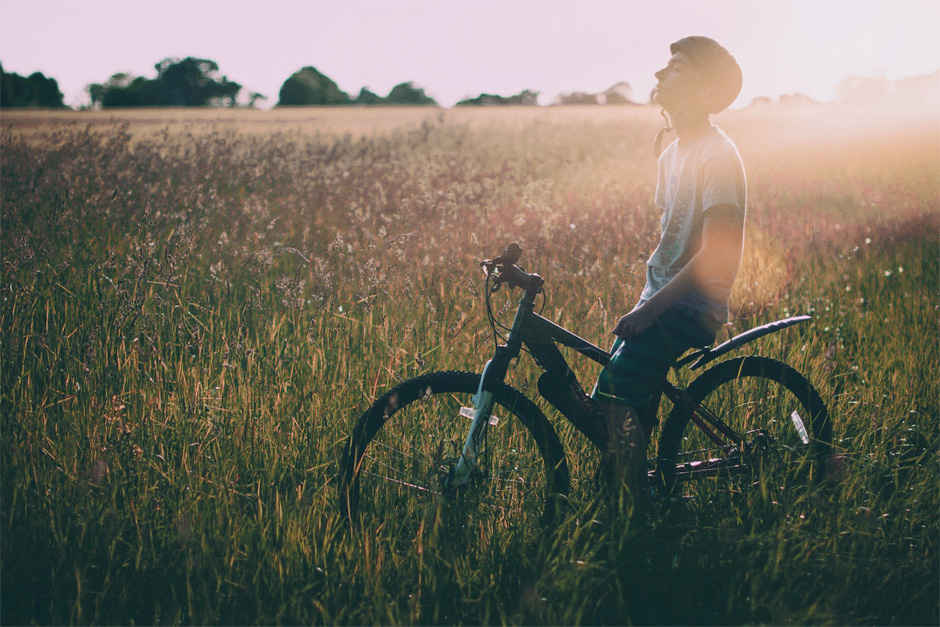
(403, 483)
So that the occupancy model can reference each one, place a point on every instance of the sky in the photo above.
(456, 49)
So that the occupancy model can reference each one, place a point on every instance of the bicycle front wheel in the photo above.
(779, 437)
(404, 446)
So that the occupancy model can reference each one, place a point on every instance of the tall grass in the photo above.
(193, 321)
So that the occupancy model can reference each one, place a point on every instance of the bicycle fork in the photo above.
(493, 374)
(469, 455)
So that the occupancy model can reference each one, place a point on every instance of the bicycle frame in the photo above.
(540, 336)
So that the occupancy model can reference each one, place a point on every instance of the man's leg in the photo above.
(627, 386)
(626, 455)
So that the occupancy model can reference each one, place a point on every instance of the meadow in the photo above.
(197, 306)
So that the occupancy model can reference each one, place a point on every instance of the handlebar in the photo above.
(504, 270)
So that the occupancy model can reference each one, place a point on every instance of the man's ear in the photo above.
(703, 92)
(709, 95)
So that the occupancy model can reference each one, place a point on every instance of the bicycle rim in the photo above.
(406, 444)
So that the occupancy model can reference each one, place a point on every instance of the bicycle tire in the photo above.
(406, 431)
(757, 396)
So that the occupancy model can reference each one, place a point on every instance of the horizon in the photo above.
(466, 48)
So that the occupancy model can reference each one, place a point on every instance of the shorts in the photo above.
(638, 366)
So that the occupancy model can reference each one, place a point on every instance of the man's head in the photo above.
(700, 73)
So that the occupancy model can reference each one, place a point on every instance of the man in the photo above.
(701, 189)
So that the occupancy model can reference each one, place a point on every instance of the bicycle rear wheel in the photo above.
(403, 447)
(782, 422)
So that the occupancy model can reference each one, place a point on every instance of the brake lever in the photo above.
(497, 281)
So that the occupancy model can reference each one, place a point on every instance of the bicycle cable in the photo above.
(494, 321)
(489, 311)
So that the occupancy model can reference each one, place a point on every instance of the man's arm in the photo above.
(722, 234)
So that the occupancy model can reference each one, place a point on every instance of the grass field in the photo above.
(197, 306)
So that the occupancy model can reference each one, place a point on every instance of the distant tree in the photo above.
(189, 82)
(862, 89)
(309, 87)
(193, 82)
(408, 94)
(34, 91)
(524, 98)
(254, 97)
(796, 100)
(923, 89)
(577, 98)
(367, 97)
(761, 101)
(613, 98)
(118, 91)
(619, 94)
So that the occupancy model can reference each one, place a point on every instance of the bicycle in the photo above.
(748, 416)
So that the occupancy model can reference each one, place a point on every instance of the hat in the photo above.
(718, 68)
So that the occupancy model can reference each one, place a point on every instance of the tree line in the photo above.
(308, 86)
(194, 82)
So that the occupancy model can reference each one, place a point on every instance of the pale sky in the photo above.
(460, 48)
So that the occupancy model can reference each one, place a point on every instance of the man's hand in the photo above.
(634, 323)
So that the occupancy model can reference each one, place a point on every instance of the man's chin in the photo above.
(655, 98)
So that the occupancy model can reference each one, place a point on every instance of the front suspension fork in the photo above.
(493, 373)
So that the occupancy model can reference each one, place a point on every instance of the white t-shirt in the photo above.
(693, 178)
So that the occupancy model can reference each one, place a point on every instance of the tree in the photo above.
(796, 100)
(255, 97)
(408, 94)
(189, 82)
(367, 97)
(524, 98)
(761, 101)
(193, 82)
(309, 87)
(619, 94)
(34, 91)
(121, 90)
(577, 98)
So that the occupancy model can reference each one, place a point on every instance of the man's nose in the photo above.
(659, 75)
